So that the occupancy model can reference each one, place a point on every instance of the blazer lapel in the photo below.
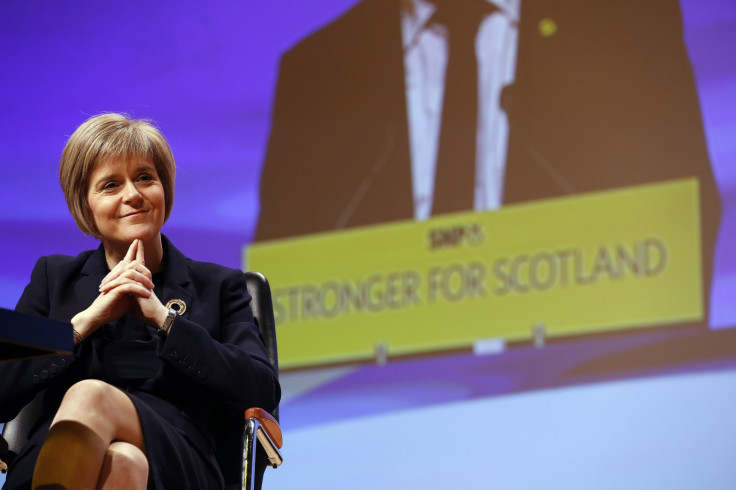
(176, 277)
(87, 288)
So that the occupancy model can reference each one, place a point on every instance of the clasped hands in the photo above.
(128, 287)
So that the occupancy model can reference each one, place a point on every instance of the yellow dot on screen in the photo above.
(547, 27)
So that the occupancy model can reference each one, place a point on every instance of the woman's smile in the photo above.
(127, 201)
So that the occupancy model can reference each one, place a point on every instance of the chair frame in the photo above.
(259, 427)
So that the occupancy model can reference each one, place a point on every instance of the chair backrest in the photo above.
(262, 307)
(16, 431)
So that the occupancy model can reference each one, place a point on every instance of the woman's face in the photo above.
(127, 200)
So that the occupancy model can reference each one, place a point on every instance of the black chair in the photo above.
(262, 437)
(245, 445)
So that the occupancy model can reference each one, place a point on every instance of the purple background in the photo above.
(205, 73)
(710, 35)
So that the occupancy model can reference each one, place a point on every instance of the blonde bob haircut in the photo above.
(116, 137)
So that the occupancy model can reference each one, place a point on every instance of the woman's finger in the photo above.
(131, 251)
(148, 309)
(141, 259)
(127, 276)
(139, 256)
(137, 266)
(108, 307)
(123, 286)
(136, 289)
(129, 257)
(114, 272)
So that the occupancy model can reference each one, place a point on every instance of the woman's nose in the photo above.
(131, 193)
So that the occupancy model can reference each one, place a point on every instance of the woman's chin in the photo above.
(146, 237)
(127, 238)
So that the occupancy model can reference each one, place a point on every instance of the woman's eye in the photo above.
(145, 177)
(109, 186)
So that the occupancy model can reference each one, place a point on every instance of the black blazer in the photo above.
(212, 354)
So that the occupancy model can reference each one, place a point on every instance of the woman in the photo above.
(160, 339)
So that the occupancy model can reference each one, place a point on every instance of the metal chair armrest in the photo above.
(268, 423)
(260, 428)
(272, 451)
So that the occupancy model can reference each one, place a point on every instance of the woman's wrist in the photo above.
(168, 316)
(78, 339)
(80, 327)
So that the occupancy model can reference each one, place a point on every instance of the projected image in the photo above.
(395, 121)
(551, 100)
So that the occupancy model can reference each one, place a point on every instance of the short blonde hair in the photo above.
(111, 136)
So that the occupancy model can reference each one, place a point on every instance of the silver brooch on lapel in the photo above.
(177, 305)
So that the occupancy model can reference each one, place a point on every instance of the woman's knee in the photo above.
(88, 399)
(103, 409)
(124, 466)
(89, 391)
(96, 404)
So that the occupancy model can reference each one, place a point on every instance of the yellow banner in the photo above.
(579, 264)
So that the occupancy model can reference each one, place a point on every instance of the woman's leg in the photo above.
(92, 415)
(125, 466)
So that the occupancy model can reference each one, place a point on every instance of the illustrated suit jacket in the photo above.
(213, 353)
(607, 100)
